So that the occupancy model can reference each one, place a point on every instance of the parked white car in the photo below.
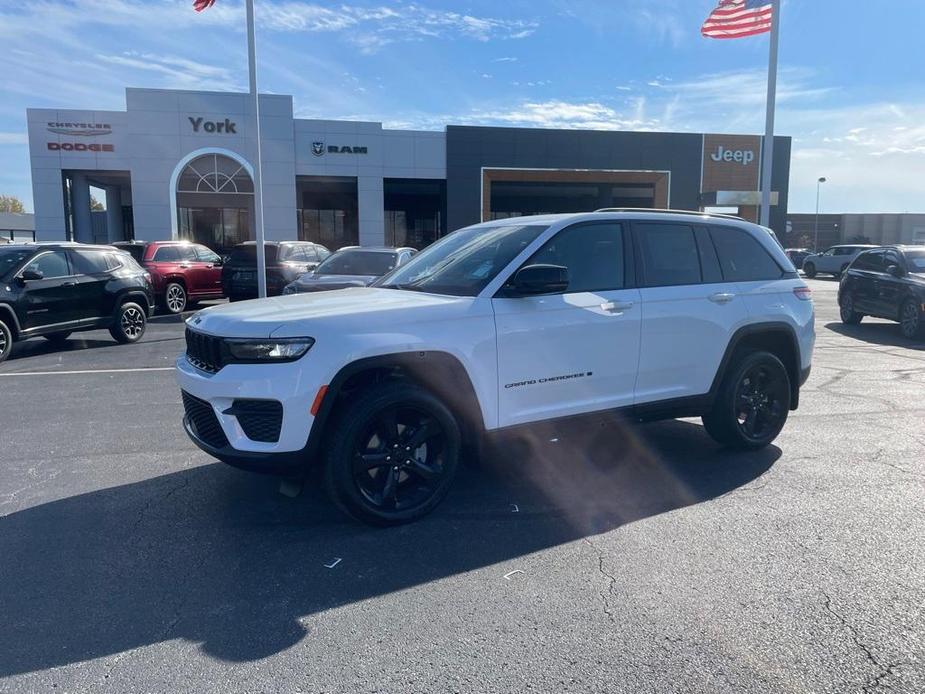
(833, 261)
(503, 324)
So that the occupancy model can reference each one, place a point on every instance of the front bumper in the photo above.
(292, 384)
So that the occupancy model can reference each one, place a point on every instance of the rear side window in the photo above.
(742, 258)
(593, 254)
(669, 254)
(167, 254)
(91, 262)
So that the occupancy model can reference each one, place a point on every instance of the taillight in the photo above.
(803, 293)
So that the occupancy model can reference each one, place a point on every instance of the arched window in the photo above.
(214, 173)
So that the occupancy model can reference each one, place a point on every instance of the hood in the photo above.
(311, 281)
(298, 315)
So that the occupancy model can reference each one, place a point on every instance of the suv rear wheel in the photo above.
(847, 313)
(752, 404)
(391, 454)
(130, 323)
(6, 341)
(175, 298)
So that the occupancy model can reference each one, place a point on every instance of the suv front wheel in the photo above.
(391, 454)
(752, 404)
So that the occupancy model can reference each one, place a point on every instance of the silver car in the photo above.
(833, 261)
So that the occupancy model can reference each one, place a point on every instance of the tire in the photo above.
(175, 298)
(809, 269)
(130, 323)
(753, 402)
(391, 419)
(910, 319)
(6, 341)
(847, 313)
(58, 338)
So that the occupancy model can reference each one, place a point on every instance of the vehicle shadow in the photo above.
(216, 556)
(877, 334)
(37, 347)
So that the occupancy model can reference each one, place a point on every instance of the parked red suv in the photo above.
(183, 272)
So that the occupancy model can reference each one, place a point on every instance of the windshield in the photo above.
(247, 255)
(11, 257)
(916, 260)
(357, 263)
(463, 263)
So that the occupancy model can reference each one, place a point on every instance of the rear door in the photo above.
(93, 274)
(50, 301)
(688, 310)
(889, 290)
(576, 351)
(210, 267)
(867, 269)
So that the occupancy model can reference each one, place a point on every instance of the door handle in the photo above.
(616, 306)
(722, 297)
(184, 265)
(68, 284)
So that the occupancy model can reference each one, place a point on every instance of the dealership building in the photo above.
(180, 164)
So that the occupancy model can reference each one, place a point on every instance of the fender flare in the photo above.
(12, 321)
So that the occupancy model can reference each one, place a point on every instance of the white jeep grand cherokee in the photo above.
(502, 324)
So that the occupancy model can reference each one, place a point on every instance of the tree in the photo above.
(10, 203)
(96, 205)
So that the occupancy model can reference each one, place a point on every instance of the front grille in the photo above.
(203, 422)
(205, 352)
(261, 420)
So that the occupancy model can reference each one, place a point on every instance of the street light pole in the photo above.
(816, 224)
(258, 170)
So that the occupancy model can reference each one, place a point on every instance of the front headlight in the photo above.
(268, 350)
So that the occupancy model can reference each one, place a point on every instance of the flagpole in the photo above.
(258, 172)
(767, 158)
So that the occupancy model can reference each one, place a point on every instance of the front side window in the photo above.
(11, 257)
(206, 255)
(53, 264)
(742, 258)
(464, 262)
(915, 261)
(357, 263)
(669, 254)
(872, 261)
(593, 254)
(187, 254)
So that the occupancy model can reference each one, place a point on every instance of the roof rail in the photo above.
(695, 213)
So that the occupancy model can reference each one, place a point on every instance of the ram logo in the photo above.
(317, 148)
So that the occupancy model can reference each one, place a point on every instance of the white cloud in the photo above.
(13, 139)
(181, 72)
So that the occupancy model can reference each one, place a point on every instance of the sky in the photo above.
(851, 89)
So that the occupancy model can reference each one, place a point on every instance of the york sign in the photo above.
(212, 126)
(740, 156)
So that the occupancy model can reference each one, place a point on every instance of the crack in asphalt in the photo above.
(884, 670)
(611, 580)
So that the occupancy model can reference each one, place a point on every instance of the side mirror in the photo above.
(894, 270)
(218, 262)
(540, 279)
(30, 275)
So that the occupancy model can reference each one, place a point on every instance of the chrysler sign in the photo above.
(79, 129)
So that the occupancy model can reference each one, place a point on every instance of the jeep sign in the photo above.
(740, 156)
(210, 126)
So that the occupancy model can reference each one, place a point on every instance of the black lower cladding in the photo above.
(261, 420)
(203, 422)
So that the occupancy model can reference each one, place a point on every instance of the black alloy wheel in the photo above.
(130, 323)
(6, 341)
(393, 453)
(752, 404)
(809, 269)
(910, 319)
(846, 311)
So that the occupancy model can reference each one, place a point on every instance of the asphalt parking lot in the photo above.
(620, 559)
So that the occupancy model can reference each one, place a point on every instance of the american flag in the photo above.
(733, 19)
(200, 5)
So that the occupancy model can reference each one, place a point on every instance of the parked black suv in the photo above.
(889, 283)
(52, 290)
(286, 260)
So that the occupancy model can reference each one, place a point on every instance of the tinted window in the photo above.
(53, 264)
(742, 258)
(869, 261)
(11, 257)
(134, 250)
(593, 254)
(206, 256)
(90, 262)
(167, 254)
(357, 262)
(187, 253)
(891, 258)
(915, 261)
(322, 252)
(669, 254)
(247, 255)
(709, 262)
